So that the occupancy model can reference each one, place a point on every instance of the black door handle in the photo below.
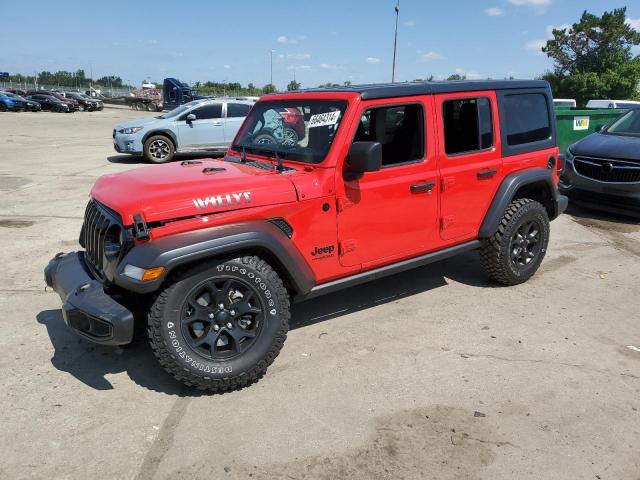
(486, 173)
(422, 187)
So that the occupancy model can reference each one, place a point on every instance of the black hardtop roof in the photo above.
(388, 90)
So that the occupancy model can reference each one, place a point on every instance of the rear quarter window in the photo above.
(526, 121)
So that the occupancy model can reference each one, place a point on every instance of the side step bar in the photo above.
(392, 269)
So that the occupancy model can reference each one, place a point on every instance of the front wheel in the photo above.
(515, 251)
(159, 149)
(220, 325)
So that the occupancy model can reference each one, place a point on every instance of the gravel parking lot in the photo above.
(434, 373)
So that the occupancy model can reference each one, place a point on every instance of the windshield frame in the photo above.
(283, 152)
(621, 118)
(180, 109)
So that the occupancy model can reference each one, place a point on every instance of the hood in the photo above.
(183, 189)
(137, 123)
(608, 146)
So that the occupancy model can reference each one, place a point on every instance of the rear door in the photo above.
(469, 160)
(205, 132)
(235, 115)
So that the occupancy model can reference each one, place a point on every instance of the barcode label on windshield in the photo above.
(324, 119)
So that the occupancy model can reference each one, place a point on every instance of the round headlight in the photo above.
(113, 241)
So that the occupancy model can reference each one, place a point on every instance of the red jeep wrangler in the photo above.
(385, 178)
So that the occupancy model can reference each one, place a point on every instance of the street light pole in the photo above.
(271, 66)
(395, 41)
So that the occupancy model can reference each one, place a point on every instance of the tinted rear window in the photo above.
(526, 118)
(237, 110)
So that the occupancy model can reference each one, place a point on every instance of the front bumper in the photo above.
(620, 198)
(87, 308)
(127, 143)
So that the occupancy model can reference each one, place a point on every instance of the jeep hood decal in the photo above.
(184, 189)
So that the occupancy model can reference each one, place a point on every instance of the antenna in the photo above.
(280, 168)
(395, 42)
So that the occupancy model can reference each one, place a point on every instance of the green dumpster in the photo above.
(576, 123)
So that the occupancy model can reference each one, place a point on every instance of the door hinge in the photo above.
(447, 182)
(446, 222)
(346, 246)
(343, 203)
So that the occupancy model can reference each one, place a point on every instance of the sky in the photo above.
(317, 41)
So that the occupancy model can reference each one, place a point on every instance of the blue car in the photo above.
(207, 125)
(8, 103)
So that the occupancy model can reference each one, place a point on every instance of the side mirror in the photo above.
(364, 157)
(190, 118)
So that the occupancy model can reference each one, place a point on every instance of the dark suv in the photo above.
(383, 179)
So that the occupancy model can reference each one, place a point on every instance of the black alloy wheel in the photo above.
(221, 318)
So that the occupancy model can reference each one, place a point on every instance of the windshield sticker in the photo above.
(324, 119)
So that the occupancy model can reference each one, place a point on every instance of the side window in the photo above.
(237, 110)
(468, 125)
(172, 95)
(526, 118)
(399, 129)
(208, 111)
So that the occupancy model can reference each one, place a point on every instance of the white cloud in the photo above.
(634, 23)
(410, 23)
(302, 37)
(494, 12)
(226, 66)
(551, 28)
(531, 3)
(535, 46)
(152, 42)
(299, 67)
(329, 66)
(298, 56)
(373, 60)
(430, 56)
(285, 39)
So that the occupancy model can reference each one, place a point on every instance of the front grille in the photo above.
(97, 220)
(606, 170)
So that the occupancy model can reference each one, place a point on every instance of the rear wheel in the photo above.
(3, 107)
(159, 149)
(516, 250)
(151, 107)
(220, 325)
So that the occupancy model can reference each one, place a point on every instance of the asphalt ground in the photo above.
(433, 373)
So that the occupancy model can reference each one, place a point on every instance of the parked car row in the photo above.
(56, 101)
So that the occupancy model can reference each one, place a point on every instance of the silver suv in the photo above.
(206, 125)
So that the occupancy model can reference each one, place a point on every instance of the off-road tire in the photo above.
(495, 253)
(149, 144)
(191, 367)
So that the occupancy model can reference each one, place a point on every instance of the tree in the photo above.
(347, 83)
(456, 76)
(269, 88)
(593, 58)
(293, 85)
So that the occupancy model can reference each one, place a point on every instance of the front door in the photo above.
(391, 213)
(469, 160)
(205, 132)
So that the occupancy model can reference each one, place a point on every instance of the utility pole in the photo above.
(271, 66)
(395, 41)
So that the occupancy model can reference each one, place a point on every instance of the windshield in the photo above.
(627, 124)
(177, 111)
(627, 105)
(299, 130)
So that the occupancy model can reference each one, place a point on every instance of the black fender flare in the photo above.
(507, 191)
(183, 248)
(162, 131)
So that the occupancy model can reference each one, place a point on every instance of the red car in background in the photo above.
(293, 119)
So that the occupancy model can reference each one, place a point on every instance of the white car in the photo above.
(207, 125)
(613, 104)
